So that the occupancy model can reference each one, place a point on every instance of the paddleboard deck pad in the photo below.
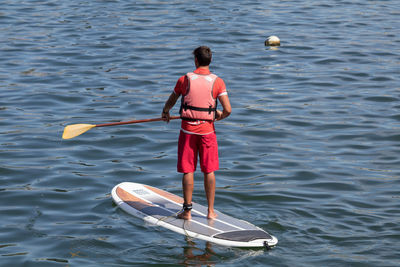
(160, 207)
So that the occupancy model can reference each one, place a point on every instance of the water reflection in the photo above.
(213, 254)
(194, 256)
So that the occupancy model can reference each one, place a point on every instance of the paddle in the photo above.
(70, 131)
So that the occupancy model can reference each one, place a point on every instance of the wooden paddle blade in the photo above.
(73, 130)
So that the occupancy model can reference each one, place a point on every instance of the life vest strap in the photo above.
(210, 109)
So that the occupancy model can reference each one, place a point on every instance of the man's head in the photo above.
(202, 55)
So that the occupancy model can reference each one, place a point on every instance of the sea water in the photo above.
(310, 153)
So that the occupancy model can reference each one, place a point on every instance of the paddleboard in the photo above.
(160, 207)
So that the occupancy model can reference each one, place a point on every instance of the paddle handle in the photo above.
(135, 121)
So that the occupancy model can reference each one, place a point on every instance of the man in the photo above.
(199, 90)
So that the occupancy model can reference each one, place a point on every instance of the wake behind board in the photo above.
(160, 207)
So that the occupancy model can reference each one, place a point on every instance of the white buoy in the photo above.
(272, 41)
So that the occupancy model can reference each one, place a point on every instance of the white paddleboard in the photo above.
(160, 207)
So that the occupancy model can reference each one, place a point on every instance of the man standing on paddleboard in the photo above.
(200, 90)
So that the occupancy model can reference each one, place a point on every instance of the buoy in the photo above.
(272, 41)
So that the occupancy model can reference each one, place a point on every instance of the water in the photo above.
(311, 152)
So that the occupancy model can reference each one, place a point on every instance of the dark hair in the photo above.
(203, 55)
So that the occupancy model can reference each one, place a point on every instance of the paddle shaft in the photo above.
(135, 121)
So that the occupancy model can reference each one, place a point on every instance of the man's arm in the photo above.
(226, 107)
(168, 105)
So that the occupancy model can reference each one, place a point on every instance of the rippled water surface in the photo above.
(311, 152)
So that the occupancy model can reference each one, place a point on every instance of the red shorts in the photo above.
(192, 145)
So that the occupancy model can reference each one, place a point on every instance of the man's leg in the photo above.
(187, 185)
(209, 163)
(209, 187)
(187, 161)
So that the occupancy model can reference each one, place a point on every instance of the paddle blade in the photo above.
(73, 130)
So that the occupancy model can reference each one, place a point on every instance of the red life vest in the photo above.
(198, 103)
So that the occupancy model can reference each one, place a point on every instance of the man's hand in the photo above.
(165, 116)
(218, 115)
(226, 108)
(168, 105)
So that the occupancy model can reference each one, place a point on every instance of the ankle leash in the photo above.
(187, 207)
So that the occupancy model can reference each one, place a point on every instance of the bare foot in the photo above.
(212, 215)
(185, 215)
